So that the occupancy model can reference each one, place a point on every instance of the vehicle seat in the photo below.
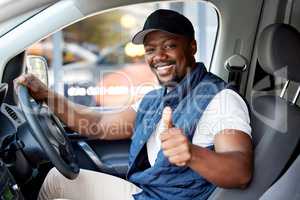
(287, 187)
(273, 119)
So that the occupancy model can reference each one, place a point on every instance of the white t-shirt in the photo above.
(227, 110)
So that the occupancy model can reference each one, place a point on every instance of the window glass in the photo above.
(93, 62)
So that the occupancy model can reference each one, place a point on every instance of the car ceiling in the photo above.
(13, 8)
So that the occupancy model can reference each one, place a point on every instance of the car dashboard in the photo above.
(9, 146)
(9, 190)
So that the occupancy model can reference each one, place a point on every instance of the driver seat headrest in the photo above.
(279, 51)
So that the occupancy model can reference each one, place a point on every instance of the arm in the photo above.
(109, 126)
(230, 165)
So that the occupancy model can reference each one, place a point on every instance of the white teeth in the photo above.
(164, 67)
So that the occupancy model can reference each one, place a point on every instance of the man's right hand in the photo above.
(37, 89)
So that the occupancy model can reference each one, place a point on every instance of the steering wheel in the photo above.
(50, 134)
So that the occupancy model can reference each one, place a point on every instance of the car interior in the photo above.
(256, 49)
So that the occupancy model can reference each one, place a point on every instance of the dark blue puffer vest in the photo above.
(188, 100)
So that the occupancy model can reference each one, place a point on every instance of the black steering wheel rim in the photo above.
(69, 170)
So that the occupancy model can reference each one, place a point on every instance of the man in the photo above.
(188, 137)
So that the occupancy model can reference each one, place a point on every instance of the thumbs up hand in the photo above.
(174, 143)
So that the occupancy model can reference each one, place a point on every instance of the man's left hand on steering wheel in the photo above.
(46, 128)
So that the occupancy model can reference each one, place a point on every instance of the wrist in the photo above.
(192, 153)
(195, 152)
(48, 95)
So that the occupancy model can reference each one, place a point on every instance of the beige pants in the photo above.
(89, 185)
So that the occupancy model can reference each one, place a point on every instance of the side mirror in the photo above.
(37, 66)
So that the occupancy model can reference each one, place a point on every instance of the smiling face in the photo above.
(169, 56)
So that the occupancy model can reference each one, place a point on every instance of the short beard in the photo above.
(175, 79)
(172, 83)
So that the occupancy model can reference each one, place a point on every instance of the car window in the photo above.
(93, 62)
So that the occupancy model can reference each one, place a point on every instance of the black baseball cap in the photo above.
(168, 21)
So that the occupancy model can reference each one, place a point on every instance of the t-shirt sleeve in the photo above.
(227, 110)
